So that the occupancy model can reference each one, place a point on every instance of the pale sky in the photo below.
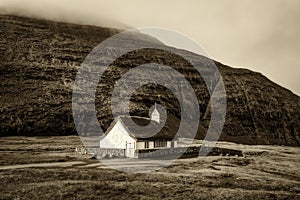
(261, 35)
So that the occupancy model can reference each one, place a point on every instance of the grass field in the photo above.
(49, 168)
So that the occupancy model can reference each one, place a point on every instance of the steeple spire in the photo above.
(155, 115)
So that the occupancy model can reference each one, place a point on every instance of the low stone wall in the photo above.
(169, 153)
(186, 152)
(110, 153)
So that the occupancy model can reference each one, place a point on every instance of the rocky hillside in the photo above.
(39, 61)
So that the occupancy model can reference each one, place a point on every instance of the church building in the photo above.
(123, 138)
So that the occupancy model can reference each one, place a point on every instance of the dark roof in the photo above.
(149, 130)
(145, 129)
(141, 128)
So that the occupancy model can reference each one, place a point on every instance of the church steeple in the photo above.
(155, 115)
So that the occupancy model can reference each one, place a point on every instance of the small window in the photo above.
(160, 143)
(146, 144)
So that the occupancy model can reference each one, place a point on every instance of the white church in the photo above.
(126, 139)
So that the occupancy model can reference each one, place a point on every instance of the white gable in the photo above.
(155, 116)
(118, 138)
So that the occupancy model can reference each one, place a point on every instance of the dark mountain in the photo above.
(39, 61)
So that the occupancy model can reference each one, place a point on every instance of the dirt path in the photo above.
(118, 164)
(54, 164)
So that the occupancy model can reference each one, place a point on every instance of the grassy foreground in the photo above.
(265, 172)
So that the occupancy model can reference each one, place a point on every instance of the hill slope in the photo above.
(39, 60)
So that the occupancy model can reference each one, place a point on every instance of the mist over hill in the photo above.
(39, 60)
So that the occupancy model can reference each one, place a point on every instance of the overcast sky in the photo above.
(261, 35)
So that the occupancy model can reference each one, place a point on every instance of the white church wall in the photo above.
(151, 144)
(169, 144)
(140, 145)
(117, 138)
(175, 143)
